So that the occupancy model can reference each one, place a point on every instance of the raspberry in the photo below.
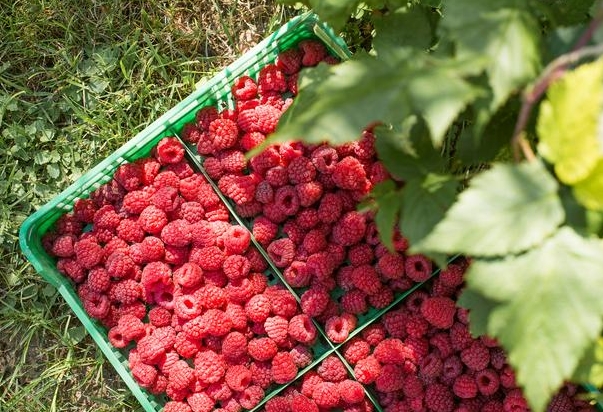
(277, 404)
(465, 387)
(219, 391)
(382, 298)
(236, 267)
(188, 275)
(366, 279)
(282, 252)
(63, 245)
(374, 333)
(176, 233)
(391, 378)
(232, 161)
(250, 397)
(264, 230)
(289, 61)
(189, 187)
(507, 377)
(297, 274)
(129, 230)
(292, 88)
(223, 133)
(117, 338)
(283, 368)
(314, 301)
(262, 349)
(249, 209)
(234, 345)
(302, 356)
(125, 291)
(182, 169)
(258, 308)
(152, 220)
(251, 139)
(105, 218)
(144, 374)
(238, 377)
(460, 336)
(208, 258)
(300, 402)
(200, 402)
(169, 150)
(294, 232)
(277, 329)
(176, 406)
(331, 369)
(185, 346)
(283, 303)
(88, 253)
(271, 78)
(239, 290)
(209, 366)
(285, 199)
(392, 350)
(213, 167)
(166, 179)
(514, 401)
(187, 306)
(313, 51)
(452, 367)
(476, 356)
(354, 302)
(337, 329)
(150, 348)
(191, 212)
(302, 329)
(217, 322)
(350, 229)
(326, 395)
(391, 266)
(349, 174)
(241, 189)
(301, 170)
(452, 276)
(264, 193)
(355, 350)
(367, 370)
(262, 118)
(487, 381)
(244, 88)
(439, 398)
(314, 241)
(205, 116)
(212, 297)
(439, 311)
(309, 193)
(418, 268)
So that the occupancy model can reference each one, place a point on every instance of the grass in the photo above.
(78, 78)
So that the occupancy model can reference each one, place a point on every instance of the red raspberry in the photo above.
(84, 210)
(382, 298)
(439, 398)
(191, 212)
(289, 61)
(258, 308)
(116, 337)
(238, 377)
(88, 253)
(219, 391)
(332, 369)
(262, 118)
(277, 404)
(354, 302)
(150, 167)
(264, 230)
(205, 116)
(150, 348)
(302, 356)
(277, 329)
(476, 356)
(300, 402)
(213, 167)
(297, 274)
(136, 201)
(391, 378)
(330, 208)
(439, 311)
(282, 252)
(452, 276)
(452, 367)
(366, 279)
(360, 254)
(309, 193)
(487, 382)
(185, 346)
(145, 375)
(374, 333)
(98, 280)
(326, 395)
(208, 258)
(119, 265)
(307, 219)
(264, 193)
(337, 329)
(262, 349)
(232, 161)
(313, 52)
(266, 161)
(125, 291)
(181, 375)
(314, 301)
(460, 336)
(249, 210)
(169, 150)
(182, 169)
(105, 218)
(392, 350)
(412, 386)
(176, 233)
(244, 88)
(465, 387)
(212, 297)
(240, 290)
(63, 245)
(250, 397)
(292, 88)
(350, 229)
(285, 199)
(367, 370)
(129, 230)
(283, 368)
(349, 174)
(236, 267)
(188, 275)
(209, 366)
(416, 326)
(176, 406)
(314, 241)
(351, 391)
(237, 315)
(251, 139)
(391, 266)
(187, 306)
(200, 402)
(241, 189)
(217, 322)
(152, 220)
(356, 349)
(166, 179)
(324, 158)
(302, 329)
(271, 78)
(277, 176)
(418, 268)
(223, 133)
(234, 345)
(301, 170)
(189, 187)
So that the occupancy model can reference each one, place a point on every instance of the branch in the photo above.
(532, 94)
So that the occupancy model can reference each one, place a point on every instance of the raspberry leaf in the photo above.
(388, 200)
(588, 191)
(403, 27)
(568, 138)
(507, 209)
(547, 313)
(590, 368)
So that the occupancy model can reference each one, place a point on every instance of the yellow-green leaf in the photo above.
(568, 122)
(589, 191)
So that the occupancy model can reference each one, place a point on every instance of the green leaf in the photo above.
(548, 309)
(588, 191)
(567, 136)
(507, 209)
(333, 12)
(590, 367)
(389, 201)
(566, 13)
(404, 27)
(366, 89)
(425, 201)
(505, 31)
(479, 307)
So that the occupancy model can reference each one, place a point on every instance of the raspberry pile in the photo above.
(181, 289)
(303, 199)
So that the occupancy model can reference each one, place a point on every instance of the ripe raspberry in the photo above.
(185, 346)
(439, 398)
(223, 133)
(251, 139)
(232, 161)
(439, 311)
(84, 210)
(191, 212)
(391, 266)
(209, 366)
(88, 252)
(262, 118)
(460, 336)
(349, 174)
(271, 78)
(145, 375)
(234, 345)
(300, 402)
(152, 220)
(262, 349)
(366, 279)
(208, 258)
(282, 252)
(217, 322)
(187, 306)
(264, 193)
(105, 218)
(354, 302)
(219, 391)
(476, 356)
(250, 397)
(418, 268)
(337, 329)
(125, 291)
(286, 199)
(326, 395)
(374, 333)
(350, 229)
(236, 267)
(302, 329)
(314, 301)
(283, 368)
(331, 369)
(314, 241)
(313, 52)
(238, 377)
(367, 370)
(392, 350)
(166, 179)
(212, 297)
(452, 367)
(289, 61)
(452, 276)
(515, 401)
(205, 116)
(119, 265)
(189, 187)
(292, 87)
(117, 338)
(200, 402)
(283, 303)
(382, 298)
(391, 378)
(297, 274)
(182, 169)
(356, 349)
(309, 193)
(277, 329)
(277, 404)
(188, 275)
(301, 170)
(241, 189)
(176, 406)
(465, 387)
(302, 356)
(63, 245)
(129, 230)
(487, 382)
(258, 308)
(213, 167)
(176, 233)
(240, 290)
(150, 348)
(244, 88)
(169, 150)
